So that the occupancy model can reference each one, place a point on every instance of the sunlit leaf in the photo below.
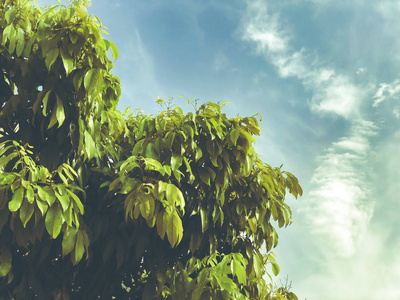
(16, 200)
(91, 79)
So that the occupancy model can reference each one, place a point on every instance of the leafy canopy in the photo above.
(96, 203)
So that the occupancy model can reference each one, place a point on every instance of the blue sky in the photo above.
(325, 77)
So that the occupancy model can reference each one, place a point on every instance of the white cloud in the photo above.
(387, 91)
(332, 93)
(388, 8)
(361, 70)
(336, 205)
(353, 251)
(268, 35)
(336, 94)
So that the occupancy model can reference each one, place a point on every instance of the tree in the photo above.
(95, 203)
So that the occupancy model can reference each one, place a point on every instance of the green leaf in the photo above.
(53, 118)
(234, 135)
(43, 206)
(60, 112)
(90, 147)
(275, 268)
(114, 50)
(44, 101)
(16, 200)
(7, 33)
(167, 219)
(176, 162)
(73, 36)
(204, 175)
(50, 57)
(257, 265)
(20, 42)
(175, 230)
(144, 206)
(252, 224)
(174, 196)
(10, 15)
(154, 165)
(30, 194)
(5, 261)
(69, 239)
(67, 61)
(68, 216)
(77, 80)
(274, 211)
(79, 247)
(13, 40)
(239, 270)
(204, 219)
(26, 212)
(54, 220)
(169, 194)
(150, 151)
(28, 47)
(161, 229)
(63, 198)
(169, 140)
(46, 194)
(91, 79)
(77, 201)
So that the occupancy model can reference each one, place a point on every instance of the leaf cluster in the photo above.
(96, 203)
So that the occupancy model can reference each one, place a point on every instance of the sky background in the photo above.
(325, 77)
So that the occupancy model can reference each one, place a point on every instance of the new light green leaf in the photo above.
(91, 79)
(10, 15)
(114, 50)
(90, 147)
(239, 270)
(30, 194)
(275, 268)
(16, 199)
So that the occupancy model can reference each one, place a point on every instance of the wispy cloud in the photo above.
(335, 206)
(351, 245)
(331, 92)
(387, 91)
